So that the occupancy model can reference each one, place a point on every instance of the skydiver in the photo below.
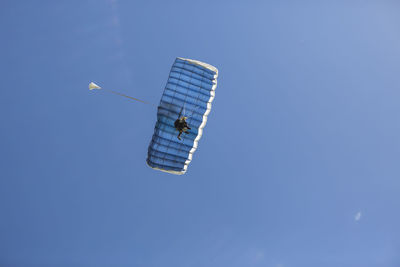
(182, 126)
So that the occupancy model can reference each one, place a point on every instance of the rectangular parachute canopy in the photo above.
(189, 91)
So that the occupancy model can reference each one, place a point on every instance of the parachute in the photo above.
(189, 92)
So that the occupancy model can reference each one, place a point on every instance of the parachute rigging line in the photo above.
(93, 86)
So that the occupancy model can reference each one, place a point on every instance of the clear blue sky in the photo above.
(303, 134)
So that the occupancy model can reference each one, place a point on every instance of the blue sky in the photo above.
(303, 134)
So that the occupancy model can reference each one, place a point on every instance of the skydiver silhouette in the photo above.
(182, 126)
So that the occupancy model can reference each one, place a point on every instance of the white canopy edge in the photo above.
(205, 65)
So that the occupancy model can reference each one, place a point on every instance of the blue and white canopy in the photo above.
(190, 90)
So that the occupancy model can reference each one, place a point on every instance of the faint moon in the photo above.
(357, 217)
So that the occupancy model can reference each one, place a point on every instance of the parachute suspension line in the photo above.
(183, 111)
(196, 108)
(93, 86)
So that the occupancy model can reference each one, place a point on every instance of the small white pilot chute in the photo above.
(92, 86)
